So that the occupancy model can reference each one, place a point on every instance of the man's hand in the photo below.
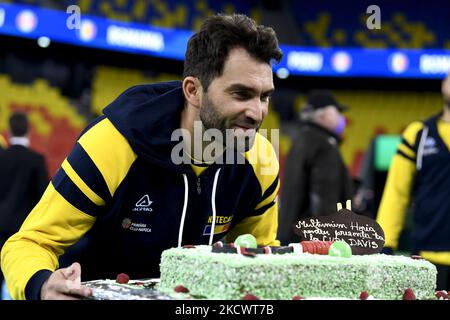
(65, 284)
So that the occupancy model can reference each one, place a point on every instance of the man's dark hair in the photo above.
(18, 124)
(207, 49)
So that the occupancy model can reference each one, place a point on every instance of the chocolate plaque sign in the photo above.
(364, 235)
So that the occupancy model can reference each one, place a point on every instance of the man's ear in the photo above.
(192, 90)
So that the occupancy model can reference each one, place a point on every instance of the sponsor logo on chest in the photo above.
(430, 147)
(127, 224)
(143, 204)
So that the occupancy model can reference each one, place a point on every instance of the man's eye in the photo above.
(265, 98)
(241, 95)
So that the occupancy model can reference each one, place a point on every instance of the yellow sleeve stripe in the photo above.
(406, 151)
(263, 228)
(411, 132)
(270, 198)
(396, 196)
(407, 145)
(52, 226)
(110, 152)
(264, 162)
(81, 185)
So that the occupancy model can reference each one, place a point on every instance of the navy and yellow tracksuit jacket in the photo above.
(121, 193)
(420, 173)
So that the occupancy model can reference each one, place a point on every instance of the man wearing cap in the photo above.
(315, 176)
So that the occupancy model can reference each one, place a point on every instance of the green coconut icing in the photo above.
(231, 276)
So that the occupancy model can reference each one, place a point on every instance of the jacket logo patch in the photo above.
(430, 147)
(430, 142)
(143, 204)
(127, 224)
(222, 225)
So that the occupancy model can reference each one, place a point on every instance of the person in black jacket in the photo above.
(315, 177)
(23, 178)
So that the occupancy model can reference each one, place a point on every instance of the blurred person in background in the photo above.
(3, 144)
(420, 175)
(23, 178)
(315, 177)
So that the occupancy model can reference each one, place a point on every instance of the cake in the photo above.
(338, 256)
(229, 272)
(223, 275)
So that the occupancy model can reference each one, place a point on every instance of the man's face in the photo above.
(239, 98)
(446, 90)
(332, 114)
(330, 117)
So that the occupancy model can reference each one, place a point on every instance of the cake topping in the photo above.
(267, 250)
(315, 247)
(218, 244)
(297, 247)
(364, 295)
(246, 253)
(364, 235)
(442, 295)
(340, 249)
(250, 296)
(188, 246)
(246, 241)
(416, 257)
(298, 298)
(409, 295)
(122, 278)
(232, 248)
(181, 289)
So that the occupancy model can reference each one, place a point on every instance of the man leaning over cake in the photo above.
(140, 179)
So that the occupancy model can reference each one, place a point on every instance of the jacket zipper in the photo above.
(199, 188)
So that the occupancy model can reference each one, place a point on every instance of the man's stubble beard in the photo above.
(212, 119)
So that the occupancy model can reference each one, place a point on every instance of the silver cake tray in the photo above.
(133, 290)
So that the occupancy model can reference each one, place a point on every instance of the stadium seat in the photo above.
(55, 125)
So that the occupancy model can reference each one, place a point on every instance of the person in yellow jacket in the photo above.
(130, 188)
(420, 175)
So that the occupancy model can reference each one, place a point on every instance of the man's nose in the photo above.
(257, 110)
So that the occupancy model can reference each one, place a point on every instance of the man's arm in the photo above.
(263, 221)
(397, 190)
(31, 255)
(74, 198)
